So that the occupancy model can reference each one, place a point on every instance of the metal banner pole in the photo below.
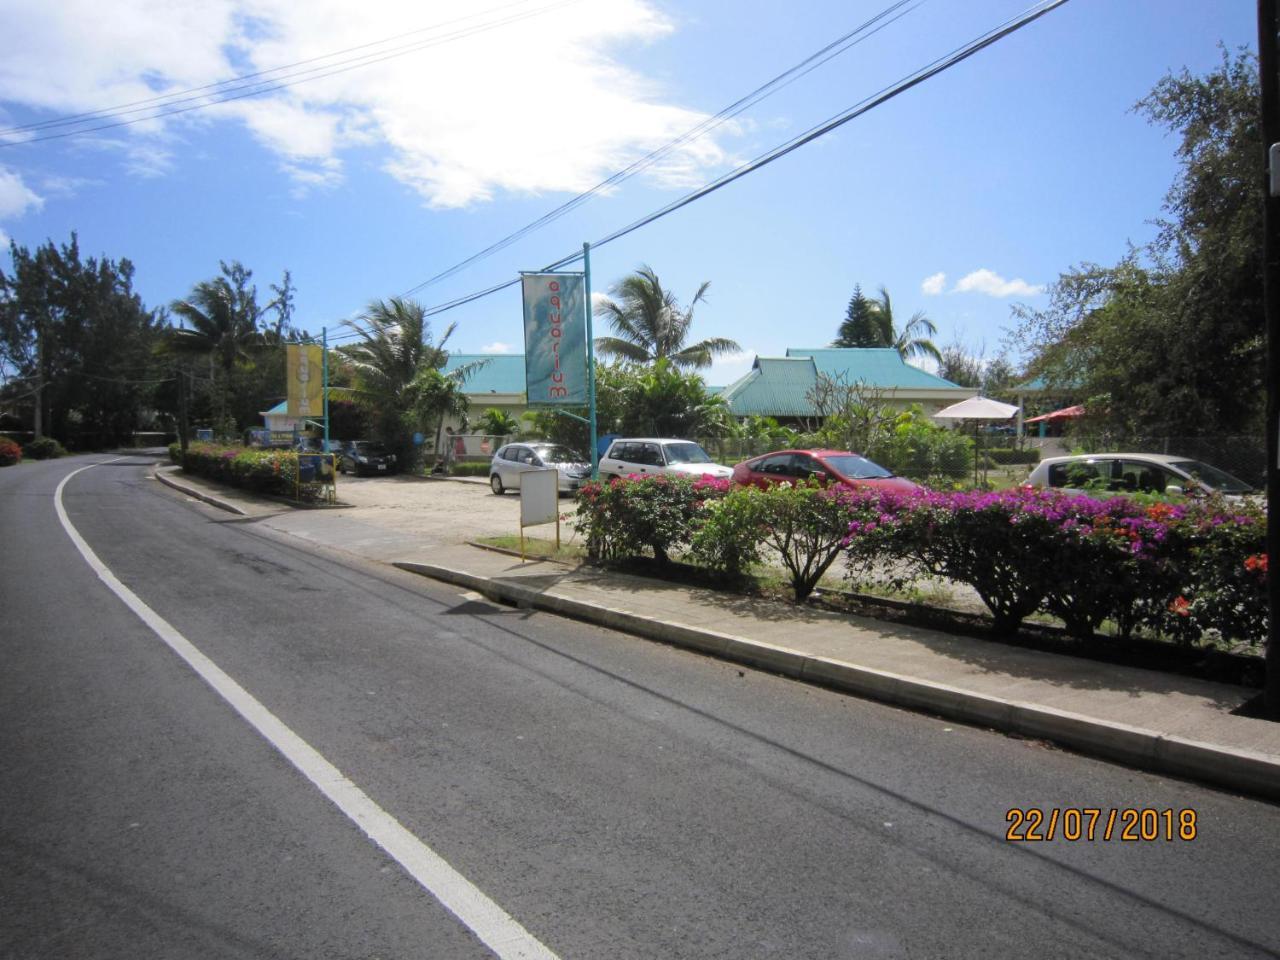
(324, 365)
(591, 363)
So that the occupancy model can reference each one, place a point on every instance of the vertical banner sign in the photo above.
(306, 379)
(555, 339)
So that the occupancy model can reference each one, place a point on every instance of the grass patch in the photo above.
(569, 552)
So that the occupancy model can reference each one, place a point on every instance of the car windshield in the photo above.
(686, 453)
(557, 454)
(1212, 476)
(856, 468)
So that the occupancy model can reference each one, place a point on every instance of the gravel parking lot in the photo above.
(443, 511)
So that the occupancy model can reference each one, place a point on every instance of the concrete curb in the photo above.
(198, 494)
(1246, 771)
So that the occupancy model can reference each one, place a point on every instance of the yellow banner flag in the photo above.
(306, 380)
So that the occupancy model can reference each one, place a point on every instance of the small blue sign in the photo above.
(418, 439)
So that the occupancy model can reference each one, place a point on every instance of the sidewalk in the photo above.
(1162, 722)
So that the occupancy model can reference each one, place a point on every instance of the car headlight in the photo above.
(362, 459)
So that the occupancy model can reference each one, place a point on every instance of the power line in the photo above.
(958, 55)
(787, 77)
(271, 86)
(232, 83)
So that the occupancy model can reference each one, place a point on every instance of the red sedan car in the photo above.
(827, 466)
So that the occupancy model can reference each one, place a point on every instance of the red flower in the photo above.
(1256, 563)
(1181, 606)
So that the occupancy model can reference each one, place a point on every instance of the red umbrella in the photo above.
(1066, 413)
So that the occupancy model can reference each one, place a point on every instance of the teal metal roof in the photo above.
(881, 367)
(503, 373)
(774, 387)
(280, 408)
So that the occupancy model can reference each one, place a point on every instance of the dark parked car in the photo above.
(366, 456)
(825, 466)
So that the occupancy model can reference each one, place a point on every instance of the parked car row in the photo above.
(654, 456)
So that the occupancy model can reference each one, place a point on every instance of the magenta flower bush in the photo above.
(1178, 570)
(624, 516)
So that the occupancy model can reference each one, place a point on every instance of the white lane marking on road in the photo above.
(496, 928)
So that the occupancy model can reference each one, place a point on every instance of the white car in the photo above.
(515, 459)
(1136, 473)
(648, 456)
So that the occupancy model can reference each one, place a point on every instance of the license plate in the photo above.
(382, 466)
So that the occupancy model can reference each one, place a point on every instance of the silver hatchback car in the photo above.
(515, 459)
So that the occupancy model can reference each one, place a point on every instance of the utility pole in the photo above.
(1268, 25)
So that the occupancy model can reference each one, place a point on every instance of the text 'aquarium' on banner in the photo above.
(555, 339)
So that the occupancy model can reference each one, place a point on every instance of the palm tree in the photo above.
(395, 343)
(222, 327)
(651, 326)
(914, 339)
(397, 368)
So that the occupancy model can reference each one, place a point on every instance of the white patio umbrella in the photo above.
(977, 408)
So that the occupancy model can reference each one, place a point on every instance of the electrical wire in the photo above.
(271, 86)
(784, 79)
(958, 55)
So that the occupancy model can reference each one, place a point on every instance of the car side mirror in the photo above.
(1174, 490)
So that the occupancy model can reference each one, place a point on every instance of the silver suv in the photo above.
(1135, 473)
(648, 456)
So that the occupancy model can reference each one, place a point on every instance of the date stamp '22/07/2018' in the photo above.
(1128, 824)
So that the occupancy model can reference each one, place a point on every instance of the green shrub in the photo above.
(808, 525)
(10, 452)
(46, 448)
(925, 452)
(729, 536)
(470, 469)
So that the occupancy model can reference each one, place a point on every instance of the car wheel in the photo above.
(495, 482)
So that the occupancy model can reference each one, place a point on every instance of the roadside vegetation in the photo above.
(1192, 572)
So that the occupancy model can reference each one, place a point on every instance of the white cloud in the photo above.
(497, 347)
(4, 243)
(934, 284)
(994, 285)
(536, 104)
(16, 198)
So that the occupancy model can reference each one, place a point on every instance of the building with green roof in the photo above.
(782, 387)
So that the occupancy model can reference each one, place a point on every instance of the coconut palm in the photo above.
(395, 343)
(651, 325)
(217, 324)
(396, 366)
(914, 339)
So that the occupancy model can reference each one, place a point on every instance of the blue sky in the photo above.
(963, 196)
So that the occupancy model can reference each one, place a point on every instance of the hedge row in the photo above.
(262, 471)
(1185, 571)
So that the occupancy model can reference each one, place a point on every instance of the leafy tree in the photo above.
(76, 344)
(1170, 340)
(651, 325)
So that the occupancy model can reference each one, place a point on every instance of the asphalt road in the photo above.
(616, 797)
